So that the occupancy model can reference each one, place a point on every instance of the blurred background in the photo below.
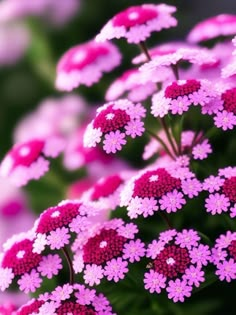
(32, 42)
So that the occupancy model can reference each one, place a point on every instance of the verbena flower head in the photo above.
(178, 96)
(85, 64)
(113, 123)
(27, 160)
(177, 264)
(105, 193)
(106, 250)
(223, 109)
(136, 23)
(68, 299)
(158, 188)
(20, 262)
(222, 192)
(224, 256)
(132, 83)
(211, 28)
(55, 224)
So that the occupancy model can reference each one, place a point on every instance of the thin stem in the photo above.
(69, 262)
(175, 70)
(152, 134)
(144, 49)
(167, 132)
(166, 219)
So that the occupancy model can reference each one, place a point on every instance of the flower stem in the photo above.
(169, 137)
(166, 219)
(175, 70)
(144, 49)
(69, 262)
(152, 134)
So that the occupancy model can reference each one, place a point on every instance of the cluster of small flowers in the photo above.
(103, 247)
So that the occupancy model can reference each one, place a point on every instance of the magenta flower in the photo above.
(75, 299)
(222, 192)
(178, 96)
(216, 26)
(106, 251)
(224, 256)
(177, 262)
(19, 261)
(113, 122)
(157, 189)
(105, 193)
(26, 161)
(55, 224)
(132, 83)
(31, 307)
(136, 23)
(85, 64)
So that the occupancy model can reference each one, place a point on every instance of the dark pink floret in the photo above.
(20, 257)
(111, 119)
(229, 98)
(31, 308)
(232, 249)
(229, 188)
(155, 184)
(174, 90)
(26, 153)
(74, 308)
(56, 217)
(107, 187)
(106, 245)
(132, 16)
(172, 261)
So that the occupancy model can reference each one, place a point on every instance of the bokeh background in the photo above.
(29, 80)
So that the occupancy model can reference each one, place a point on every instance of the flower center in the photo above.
(74, 308)
(56, 217)
(25, 154)
(103, 247)
(31, 308)
(229, 188)
(21, 258)
(107, 187)
(181, 88)
(229, 98)
(135, 15)
(172, 261)
(111, 119)
(155, 184)
(232, 249)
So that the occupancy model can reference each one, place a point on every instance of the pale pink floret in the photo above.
(178, 290)
(116, 269)
(114, 141)
(217, 203)
(58, 238)
(225, 120)
(137, 22)
(26, 161)
(219, 25)
(202, 150)
(6, 278)
(85, 64)
(62, 293)
(29, 282)
(50, 266)
(154, 282)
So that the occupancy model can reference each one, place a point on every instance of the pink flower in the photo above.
(224, 256)
(222, 188)
(154, 189)
(30, 307)
(26, 161)
(85, 64)
(219, 25)
(137, 22)
(176, 265)
(62, 293)
(179, 95)
(106, 251)
(50, 266)
(54, 224)
(113, 122)
(29, 282)
(178, 290)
